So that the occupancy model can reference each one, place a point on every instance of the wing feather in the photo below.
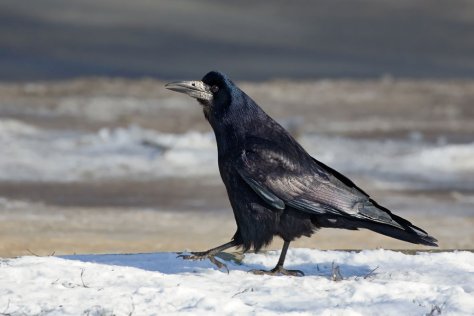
(282, 179)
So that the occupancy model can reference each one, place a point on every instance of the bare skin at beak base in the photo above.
(195, 89)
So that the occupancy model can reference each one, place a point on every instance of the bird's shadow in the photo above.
(168, 263)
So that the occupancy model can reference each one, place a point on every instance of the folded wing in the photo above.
(293, 178)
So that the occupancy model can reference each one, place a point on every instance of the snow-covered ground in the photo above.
(375, 282)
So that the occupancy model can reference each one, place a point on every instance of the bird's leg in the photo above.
(209, 254)
(279, 270)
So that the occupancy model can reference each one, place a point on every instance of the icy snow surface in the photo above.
(35, 154)
(48, 155)
(375, 282)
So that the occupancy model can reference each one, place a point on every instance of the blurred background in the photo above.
(98, 157)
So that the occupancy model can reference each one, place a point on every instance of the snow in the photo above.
(36, 154)
(160, 283)
(49, 155)
(418, 164)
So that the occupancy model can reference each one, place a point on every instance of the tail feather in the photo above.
(411, 233)
(403, 230)
(379, 219)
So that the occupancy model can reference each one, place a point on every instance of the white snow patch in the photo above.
(157, 284)
(35, 154)
(397, 163)
(44, 155)
(459, 157)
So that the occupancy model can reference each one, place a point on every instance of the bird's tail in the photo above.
(379, 219)
(403, 229)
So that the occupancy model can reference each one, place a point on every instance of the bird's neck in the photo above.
(228, 138)
(232, 132)
(233, 123)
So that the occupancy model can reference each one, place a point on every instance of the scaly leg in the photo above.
(279, 270)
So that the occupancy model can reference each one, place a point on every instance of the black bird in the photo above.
(274, 186)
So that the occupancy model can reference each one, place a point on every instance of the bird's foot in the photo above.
(202, 255)
(278, 271)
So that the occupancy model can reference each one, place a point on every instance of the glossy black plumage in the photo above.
(275, 187)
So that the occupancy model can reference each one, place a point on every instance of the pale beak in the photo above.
(195, 89)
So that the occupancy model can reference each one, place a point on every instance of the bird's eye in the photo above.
(214, 89)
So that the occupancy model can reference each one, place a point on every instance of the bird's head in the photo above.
(214, 91)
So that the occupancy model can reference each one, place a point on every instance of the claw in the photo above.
(192, 256)
(218, 264)
(201, 256)
(278, 271)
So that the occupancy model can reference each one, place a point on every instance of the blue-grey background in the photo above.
(252, 40)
